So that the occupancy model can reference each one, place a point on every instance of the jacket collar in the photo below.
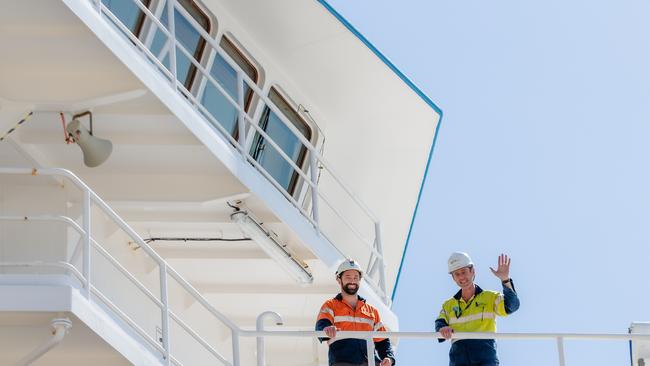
(460, 292)
(339, 297)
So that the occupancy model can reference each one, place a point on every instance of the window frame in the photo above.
(200, 48)
(157, 7)
(249, 105)
(141, 18)
(248, 60)
(294, 186)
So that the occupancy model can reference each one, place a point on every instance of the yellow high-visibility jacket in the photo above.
(476, 315)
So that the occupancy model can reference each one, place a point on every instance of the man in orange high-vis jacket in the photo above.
(350, 312)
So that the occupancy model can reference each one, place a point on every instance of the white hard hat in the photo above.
(347, 265)
(458, 260)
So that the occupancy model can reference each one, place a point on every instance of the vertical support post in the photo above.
(86, 242)
(78, 249)
(261, 350)
(164, 298)
(98, 4)
(560, 350)
(370, 345)
(235, 348)
(172, 40)
(241, 122)
(259, 326)
(313, 167)
(382, 267)
(372, 263)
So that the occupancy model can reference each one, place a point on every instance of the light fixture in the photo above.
(94, 149)
(279, 252)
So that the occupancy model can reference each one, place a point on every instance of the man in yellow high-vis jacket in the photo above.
(473, 309)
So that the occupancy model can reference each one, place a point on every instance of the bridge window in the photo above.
(128, 13)
(280, 133)
(186, 35)
(226, 76)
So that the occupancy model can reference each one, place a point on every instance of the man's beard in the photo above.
(350, 288)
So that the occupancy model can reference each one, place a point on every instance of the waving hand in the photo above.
(503, 270)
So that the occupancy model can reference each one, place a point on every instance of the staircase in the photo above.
(140, 310)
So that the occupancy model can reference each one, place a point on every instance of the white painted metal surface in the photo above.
(21, 332)
(247, 123)
(185, 156)
(89, 288)
(164, 169)
(349, 92)
(640, 348)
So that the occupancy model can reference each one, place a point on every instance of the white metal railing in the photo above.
(87, 243)
(369, 236)
(559, 338)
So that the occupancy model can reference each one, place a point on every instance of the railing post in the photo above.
(560, 350)
(382, 268)
(313, 167)
(370, 345)
(241, 122)
(261, 351)
(172, 40)
(98, 4)
(164, 299)
(235, 347)
(86, 242)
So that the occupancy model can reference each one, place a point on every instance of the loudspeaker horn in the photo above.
(95, 150)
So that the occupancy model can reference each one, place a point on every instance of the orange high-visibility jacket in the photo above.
(364, 318)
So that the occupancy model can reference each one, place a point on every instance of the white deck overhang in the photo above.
(29, 302)
(383, 125)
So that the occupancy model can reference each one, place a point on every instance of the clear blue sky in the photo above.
(543, 154)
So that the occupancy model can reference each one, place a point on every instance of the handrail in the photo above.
(198, 338)
(60, 264)
(455, 335)
(67, 220)
(368, 337)
(127, 319)
(315, 159)
(89, 242)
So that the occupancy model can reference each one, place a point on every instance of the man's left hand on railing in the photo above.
(386, 362)
(446, 332)
(330, 331)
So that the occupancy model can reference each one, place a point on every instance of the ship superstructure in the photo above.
(254, 145)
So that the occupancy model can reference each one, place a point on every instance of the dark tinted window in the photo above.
(267, 155)
(213, 100)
